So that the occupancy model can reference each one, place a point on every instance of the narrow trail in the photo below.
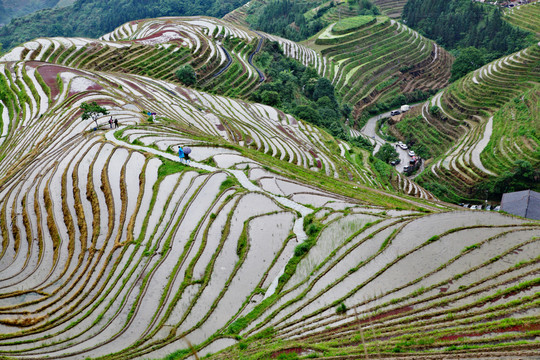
(238, 174)
(481, 145)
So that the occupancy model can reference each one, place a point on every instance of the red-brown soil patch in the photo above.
(290, 135)
(297, 350)
(154, 35)
(49, 73)
(366, 320)
(139, 89)
(96, 87)
(516, 328)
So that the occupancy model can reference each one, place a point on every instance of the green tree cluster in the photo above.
(91, 111)
(387, 153)
(299, 90)
(467, 60)
(93, 18)
(186, 75)
(366, 7)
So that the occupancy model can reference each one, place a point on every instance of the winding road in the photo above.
(229, 62)
(370, 130)
(250, 59)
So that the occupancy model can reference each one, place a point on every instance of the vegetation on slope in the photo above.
(463, 23)
(424, 138)
(94, 18)
(200, 249)
(286, 18)
(376, 63)
(490, 118)
(299, 90)
(391, 8)
(516, 126)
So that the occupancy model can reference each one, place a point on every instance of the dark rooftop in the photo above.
(524, 203)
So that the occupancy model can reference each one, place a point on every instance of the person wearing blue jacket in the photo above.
(181, 154)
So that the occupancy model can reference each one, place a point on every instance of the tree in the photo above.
(270, 97)
(387, 153)
(186, 75)
(469, 59)
(92, 111)
(308, 114)
(323, 87)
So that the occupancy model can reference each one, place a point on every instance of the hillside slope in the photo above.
(491, 117)
(112, 248)
(374, 59)
(13, 9)
(391, 8)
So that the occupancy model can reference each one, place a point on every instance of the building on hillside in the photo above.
(524, 203)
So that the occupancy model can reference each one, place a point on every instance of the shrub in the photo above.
(301, 249)
(341, 309)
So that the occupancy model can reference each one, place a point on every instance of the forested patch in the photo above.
(286, 18)
(299, 90)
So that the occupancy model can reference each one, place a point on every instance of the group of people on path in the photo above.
(183, 154)
(111, 122)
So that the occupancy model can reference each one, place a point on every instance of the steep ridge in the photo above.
(253, 126)
(159, 46)
(220, 52)
(464, 111)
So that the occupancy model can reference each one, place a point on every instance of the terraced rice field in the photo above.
(238, 16)
(474, 112)
(111, 248)
(427, 286)
(308, 147)
(379, 59)
(217, 50)
(525, 16)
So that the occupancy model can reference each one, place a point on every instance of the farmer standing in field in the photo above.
(187, 151)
